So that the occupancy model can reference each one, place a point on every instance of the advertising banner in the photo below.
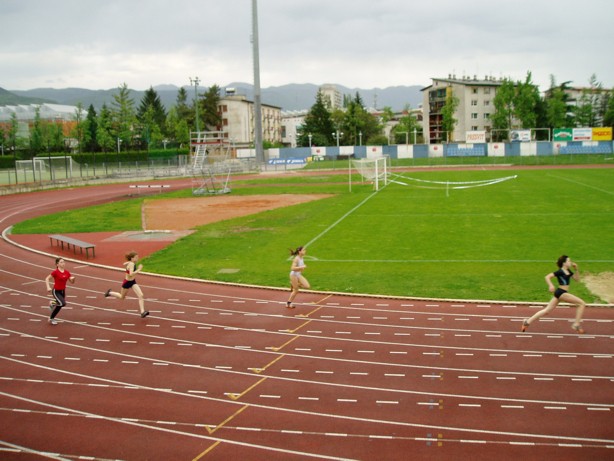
(582, 134)
(562, 134)
(475, 137)
(520, 135)
(602, 134)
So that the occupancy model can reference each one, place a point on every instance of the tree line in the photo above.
(125, 126)
(518, 105)
(122, 125)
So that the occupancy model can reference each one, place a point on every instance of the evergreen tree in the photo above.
(80, 132)
(91, 144)
(176, 127)
(151, 102)
(318, 124)
(36, 136)
(557, 106)
(590, 110)
(209, 109)
(104, 132)
(608, 119)
(124, 116)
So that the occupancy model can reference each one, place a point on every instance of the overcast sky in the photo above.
(101, 44)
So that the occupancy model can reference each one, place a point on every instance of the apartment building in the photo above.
(474, 111)
(238, 120)
(332, 95)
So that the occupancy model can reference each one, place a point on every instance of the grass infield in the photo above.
(478, 234)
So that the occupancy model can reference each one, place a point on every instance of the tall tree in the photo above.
(80, 131)
(12, 133)
(408, 129)
(503, 117)
(557, 105)
(36, 136)
(318, 125)
(526, 102)
(177, 128)
(209, 109)
(104, 133)
(184, 110)
(608, 119)
(447, 111)
(590, 110)
(92, 129)
(124, 115)
(157, 114)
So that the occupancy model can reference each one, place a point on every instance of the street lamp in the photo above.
(195, 81)
(309, 136)
(360, 138)
(337, 134)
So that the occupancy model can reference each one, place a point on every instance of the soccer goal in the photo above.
(60, 165)
(34, 165)
(372, 170)
(47, 168)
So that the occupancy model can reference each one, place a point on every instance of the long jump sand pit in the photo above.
(601, 285)
(188, 213)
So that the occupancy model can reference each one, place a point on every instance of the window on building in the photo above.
(474, 115)
(486, 116)
(474, 91)
(474, 128)
(474, 102)
(487, 102)
(486, 90)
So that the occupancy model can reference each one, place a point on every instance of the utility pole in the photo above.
(257, 95)
(195, 82)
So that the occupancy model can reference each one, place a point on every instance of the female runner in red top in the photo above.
(59, 276)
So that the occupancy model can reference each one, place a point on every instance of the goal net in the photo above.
(372, 170)
(45, 168)
(34, 165)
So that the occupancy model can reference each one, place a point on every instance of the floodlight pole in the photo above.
(257, 96)
(195, 82)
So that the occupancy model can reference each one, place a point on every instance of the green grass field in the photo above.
(495, 241)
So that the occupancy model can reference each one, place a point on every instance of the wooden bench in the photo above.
(62, 239)
(138, 187)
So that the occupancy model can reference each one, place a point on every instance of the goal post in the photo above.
(373, 170)
(47, 168)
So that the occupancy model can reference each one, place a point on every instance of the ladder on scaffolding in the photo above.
(210, 155)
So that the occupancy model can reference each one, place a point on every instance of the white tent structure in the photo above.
(52, 112)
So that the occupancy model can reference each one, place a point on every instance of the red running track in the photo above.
(221, 372)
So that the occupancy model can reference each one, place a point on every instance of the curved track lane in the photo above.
(222, 372)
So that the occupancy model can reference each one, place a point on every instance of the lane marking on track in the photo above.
(235, 396)
(261, 369)
(212, 429)
(404, 424)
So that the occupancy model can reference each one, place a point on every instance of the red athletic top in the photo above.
(60, 278)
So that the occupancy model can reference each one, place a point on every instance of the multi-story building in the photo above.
(291, 121)
(238, 120)
(577, 96)
(474, 111)
(332, 95)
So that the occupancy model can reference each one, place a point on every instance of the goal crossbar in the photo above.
(373, 170)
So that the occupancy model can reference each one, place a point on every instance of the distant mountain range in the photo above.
(288, 97)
